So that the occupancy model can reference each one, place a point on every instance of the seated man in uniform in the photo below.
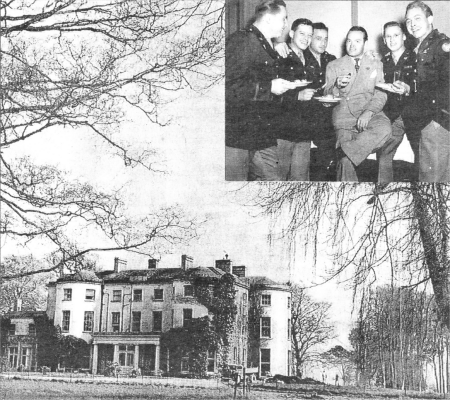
(360, 125)
(402, 62)
(317, 59)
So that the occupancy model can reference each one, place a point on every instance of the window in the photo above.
(136, 321)
(265, 327)
(25, 358)
(126, 355)
(157, 321)
(137, 295)
(211, 360)
(12, 330)
(158, 295)
(13, 357)
(173, 318)
(235, 355)
(265, 361)
(244, 299)
(187, 317)
(289, 302)
(289, 359)
(188, 290)
(88, 321)
(65, 321)
(67, 294)
(90, 294)
(115, 321)
(266, 299)
(289, 329)
(32, 329)
(117, 295)
(185, 362)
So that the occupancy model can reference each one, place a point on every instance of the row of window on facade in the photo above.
(266, 300)
(31, 329)
(266, 328)
(158, 295)
(136, 317)
(16, 359)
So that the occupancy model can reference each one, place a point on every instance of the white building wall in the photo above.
(279, 343)
(77, 307)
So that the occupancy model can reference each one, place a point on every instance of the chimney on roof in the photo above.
(186, 262)
(18, 305)
(152, 263)
(119, 264)
(224, 265)
(239, 271)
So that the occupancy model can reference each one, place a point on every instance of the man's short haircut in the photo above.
(359, 29)
(392, 23)
(319, 25)
(268, 7)
(421, 5)
(301, 21)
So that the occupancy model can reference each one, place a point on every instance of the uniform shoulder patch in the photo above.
(446, 46)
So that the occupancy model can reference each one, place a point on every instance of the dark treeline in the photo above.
(398, 338)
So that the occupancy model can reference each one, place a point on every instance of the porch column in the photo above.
(157, 350)
(136, 357)
(116, 353)
(94, 359)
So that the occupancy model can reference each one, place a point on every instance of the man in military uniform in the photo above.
(430, 109)
(317, 59)
(294, 139)
(252, 88)
(400, 62)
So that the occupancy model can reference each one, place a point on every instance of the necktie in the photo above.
(357, 64)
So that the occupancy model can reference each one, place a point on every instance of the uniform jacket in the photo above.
(250, 107)
(314, 71)
(406, 64)
(431, 100)
(360, 94)
(302, 120)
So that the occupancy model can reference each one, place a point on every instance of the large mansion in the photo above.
(124, 313)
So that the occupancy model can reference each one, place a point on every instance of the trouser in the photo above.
(358, 145)
(434, 154)
(237, 163)
(294, 160)
(257, 165)
(385, 155)
(325, 156)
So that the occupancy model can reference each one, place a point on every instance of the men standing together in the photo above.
(272, 115)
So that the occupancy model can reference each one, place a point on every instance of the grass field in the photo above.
(20, 389)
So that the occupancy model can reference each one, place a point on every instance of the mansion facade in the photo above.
(123, 314)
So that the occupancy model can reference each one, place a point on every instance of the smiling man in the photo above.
(430, 107)
(317, 59)
(360, 125)
(401, 62)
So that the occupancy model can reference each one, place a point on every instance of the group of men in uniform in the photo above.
(271, 120)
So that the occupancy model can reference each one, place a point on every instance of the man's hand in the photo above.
(343, 80)
(363, 120)
(282, 49)
(280, 86)
(401, 87)
(306, 94)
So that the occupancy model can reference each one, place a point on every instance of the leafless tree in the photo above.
(85, 65)
(29, 290)
(311, 326)
(364, 227)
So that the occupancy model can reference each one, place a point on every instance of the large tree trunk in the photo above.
(431, 212)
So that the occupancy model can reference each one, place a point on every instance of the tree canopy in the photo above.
(87, 65)
(365, 227)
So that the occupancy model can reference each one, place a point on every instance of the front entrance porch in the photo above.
(129, 351)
